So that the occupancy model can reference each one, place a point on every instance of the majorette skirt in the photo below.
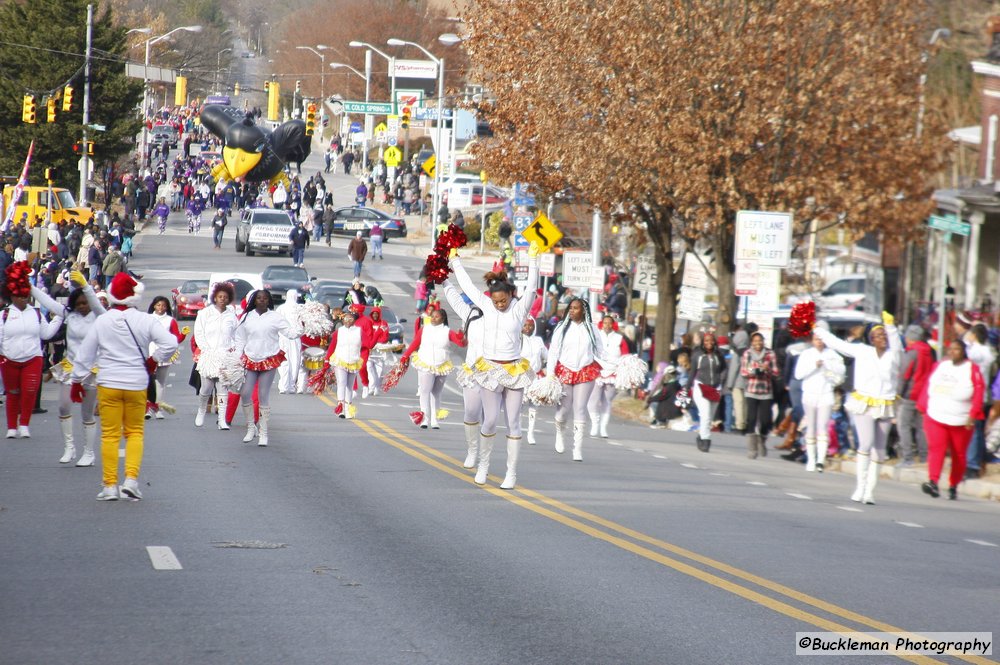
(173, 359)
(352, 366)
(586, 374)
(437, 370)
(264, 365)
(464, 376)
(494, 376)
(863, 405)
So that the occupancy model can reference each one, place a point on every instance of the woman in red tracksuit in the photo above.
(375, 359)
(951, 403)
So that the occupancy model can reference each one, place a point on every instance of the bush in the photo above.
(472, 230)
(493, 230)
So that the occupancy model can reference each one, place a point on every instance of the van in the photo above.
(35, 202)
(847, 292)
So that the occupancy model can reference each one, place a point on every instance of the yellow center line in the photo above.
(442, 462)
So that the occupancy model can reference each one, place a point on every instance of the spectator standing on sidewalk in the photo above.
(982, 354)
(918, 360)
(376, 235)
(357, 250)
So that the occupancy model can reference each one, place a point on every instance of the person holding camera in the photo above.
(759, 367)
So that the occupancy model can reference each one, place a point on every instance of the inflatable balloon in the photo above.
(251, 153)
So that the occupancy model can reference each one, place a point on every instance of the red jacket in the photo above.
(978, 390)
(917, 365)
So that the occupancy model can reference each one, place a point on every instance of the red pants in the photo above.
(363, 372)
(21, 381)
(941, 438)
(233, 403)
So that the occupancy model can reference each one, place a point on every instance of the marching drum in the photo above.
(313, 357)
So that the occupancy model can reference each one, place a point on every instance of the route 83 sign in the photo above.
(645, 274)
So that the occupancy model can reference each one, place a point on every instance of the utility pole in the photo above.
(84, 159)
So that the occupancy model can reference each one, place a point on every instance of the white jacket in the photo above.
(119, 357)
(21, 333)
(533, 349)
(213, 330)
(818, 382)
(433, 349)
(348, 344)
(874, 376)
(77, 326)
(257, 334)
(501, 330)
(612, 344)
(574, 350)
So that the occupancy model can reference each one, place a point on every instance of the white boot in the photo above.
(89, 436)
(221, 412)
(532, 417)
(203, 401)
(513, 450)
(67, 431)
(873, 471)
(595, 420)
(578, 440)
(265, 415)
(485, 448)
(810, 454)
(472, 441)
(822, 444)
(251, 428)
(560, 435)
(604, 425)
(861, 463)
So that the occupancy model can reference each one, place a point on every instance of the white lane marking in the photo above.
(163, 558)
(660, 456)
(637, 450)
(850, 509)
(912, 525)
(756, 483)
(798, 496)
(984, 543)
(121, 453)
(716, 473)
(688, 465)
(613, 443)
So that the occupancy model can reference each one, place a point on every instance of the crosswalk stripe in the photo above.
(163, 558)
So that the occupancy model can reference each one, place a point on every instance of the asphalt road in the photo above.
(366, 542)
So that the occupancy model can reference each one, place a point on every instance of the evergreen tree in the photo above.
(42, 51)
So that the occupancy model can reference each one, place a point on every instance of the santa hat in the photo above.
(358, 309)
(124, 290)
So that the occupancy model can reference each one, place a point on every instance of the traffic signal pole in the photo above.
(84, 159)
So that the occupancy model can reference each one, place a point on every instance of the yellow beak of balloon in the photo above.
(239, 162)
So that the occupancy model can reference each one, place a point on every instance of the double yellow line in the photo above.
(656, 550)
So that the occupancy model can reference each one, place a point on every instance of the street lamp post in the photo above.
(367, 77)
(322, 67)
(440, 125)
(392, 69)
(218, 66)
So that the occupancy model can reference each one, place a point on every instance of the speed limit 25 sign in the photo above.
(645, 274)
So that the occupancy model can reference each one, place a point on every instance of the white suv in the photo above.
(847, 292)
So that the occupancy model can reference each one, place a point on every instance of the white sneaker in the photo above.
(109, 493)
(12, 434)
(199, 419)
(364, 392)
(158, 415)
(23, 432)
(131, 489)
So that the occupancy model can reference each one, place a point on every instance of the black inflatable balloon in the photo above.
(250, 152)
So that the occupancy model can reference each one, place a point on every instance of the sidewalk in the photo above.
(988, 487)
(419, 239)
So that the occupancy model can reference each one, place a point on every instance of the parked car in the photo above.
(350, 220)
(166, 133)
(210, 156)
(243, 283)
(471, 194)
(847, 292)
(190, 298)
(279, 279)
(264, 230)
(330, 292)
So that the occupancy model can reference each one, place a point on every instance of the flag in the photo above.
(18, 188)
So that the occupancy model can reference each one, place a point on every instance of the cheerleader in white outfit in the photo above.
(872, 404)
(820, 370)
(428, 352)
(344, 355)
(289, 371)
(614, 347)
(501, 372)
(533, 350)
(213, 338)
(257, 345)
(573, 359)
(160, 309)
(472, 400)
(82, 309)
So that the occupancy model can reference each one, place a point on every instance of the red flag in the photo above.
(18, 188)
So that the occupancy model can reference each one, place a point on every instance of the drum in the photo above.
(313, 357)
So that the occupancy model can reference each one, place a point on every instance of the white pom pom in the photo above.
(545, 391)
(630, 373)
(314, 319)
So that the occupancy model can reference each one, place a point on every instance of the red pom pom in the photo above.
(17, 282)
(417, 417)
(802, 319)
(449, 239)
(436, 268)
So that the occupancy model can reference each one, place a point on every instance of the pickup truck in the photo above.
(264, 230)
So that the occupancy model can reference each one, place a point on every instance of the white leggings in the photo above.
(210, 386)
(86, 409)
(600, 400)
(265, 379)
(575, 399)
(345, 384)
(816, 421)
(511, 401)
(473, 405)
(160, 381)
(431, 386)
(872, 436)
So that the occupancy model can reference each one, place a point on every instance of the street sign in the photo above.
(409, 98)
(694, 272)
(646, 277)
(392, 156)
(542, 231)
(949, 224)
(392, 129)
(521, 195)
(428, 165)
(746, 277)
(597, 276)
(764, 236)
(576, 270)
(768, 292)
(521, 222)
(429, 113)
(547, 265)
(381, 127)
(692, 304)
(374, 108)
(355, 127)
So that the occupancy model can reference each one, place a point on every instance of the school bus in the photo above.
(35, 202)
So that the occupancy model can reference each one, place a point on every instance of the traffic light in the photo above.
(50, 174)
(28, 109)
(274, 101)
(404, 120)
(90, 148)
(76, 148)
(236, 89)
(50, 109)
(298, 87)
(311, 119)
(67, 104)
(181, 91)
